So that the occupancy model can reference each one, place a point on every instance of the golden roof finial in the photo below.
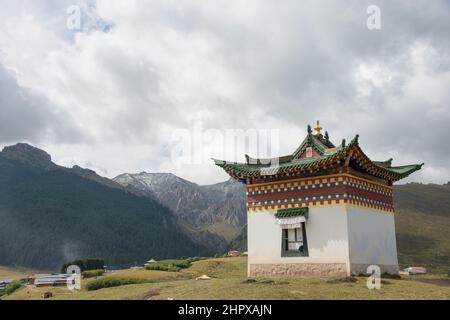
(318, 128)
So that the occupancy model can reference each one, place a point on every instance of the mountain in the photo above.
(51, 214)
(213, 213)
(227, 208)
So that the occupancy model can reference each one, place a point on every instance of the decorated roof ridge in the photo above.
(292, 212)
(320, 143)
(310, 141)
(386, 163)
(281, 159)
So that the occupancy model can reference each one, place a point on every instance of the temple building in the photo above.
(323, 210)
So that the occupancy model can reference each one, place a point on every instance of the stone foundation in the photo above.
(361, 268)
(298, 270)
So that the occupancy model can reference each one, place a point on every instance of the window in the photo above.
(294, 243)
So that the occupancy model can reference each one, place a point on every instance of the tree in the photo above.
(85, 264)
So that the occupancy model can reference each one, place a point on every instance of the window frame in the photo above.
(285, 243)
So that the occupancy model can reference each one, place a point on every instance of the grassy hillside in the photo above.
(423, 225)
(229, 281)
(13, 273)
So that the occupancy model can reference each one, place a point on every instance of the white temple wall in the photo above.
(327, 237)
(371, 240)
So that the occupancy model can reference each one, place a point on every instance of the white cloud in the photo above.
(142, 69)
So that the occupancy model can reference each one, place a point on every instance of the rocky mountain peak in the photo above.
(28, 154)
(153, 181)
(214, 210)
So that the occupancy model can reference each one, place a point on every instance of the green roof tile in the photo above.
(292, 212)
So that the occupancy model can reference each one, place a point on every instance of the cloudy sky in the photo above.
(142, 84)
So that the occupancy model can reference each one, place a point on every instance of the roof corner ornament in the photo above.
(327, 137)
(309, 129)
(318, 128)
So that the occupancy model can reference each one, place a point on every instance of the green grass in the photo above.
(229, 281)
(113, 282)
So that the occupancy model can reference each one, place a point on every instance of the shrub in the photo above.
(92, 273)
(12, 287)
(110, 282)
(169, 265)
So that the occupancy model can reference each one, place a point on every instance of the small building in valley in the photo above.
(324, 210)
(45, 280)
(233, 253)
(151, 261)
(4, 283)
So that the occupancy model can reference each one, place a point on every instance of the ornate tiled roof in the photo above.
(327, 156)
